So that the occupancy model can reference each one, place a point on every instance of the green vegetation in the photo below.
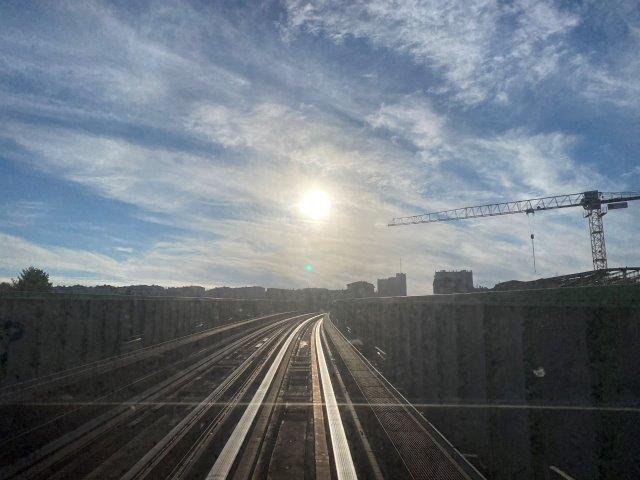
(33, 279)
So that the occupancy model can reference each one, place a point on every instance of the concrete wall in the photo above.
(581, 342)
(577, 346)
(62, 331)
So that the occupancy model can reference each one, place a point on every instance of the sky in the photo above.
(171, 142)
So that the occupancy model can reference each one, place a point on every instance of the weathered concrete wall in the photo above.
(472, 359)
(56, 332)
(561, 345)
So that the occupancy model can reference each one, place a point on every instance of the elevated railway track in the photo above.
(282, 396)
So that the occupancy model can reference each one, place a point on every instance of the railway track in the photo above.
(291, 398)
(38, 410)
(40, 450)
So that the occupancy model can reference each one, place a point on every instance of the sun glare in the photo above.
(315, 205)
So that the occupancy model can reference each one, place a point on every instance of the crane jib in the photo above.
(591, 200)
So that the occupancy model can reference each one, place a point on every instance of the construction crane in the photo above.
(595, 204)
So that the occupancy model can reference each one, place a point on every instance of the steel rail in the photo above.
(64, 446)
(376, 472)
(182, 469)
(321, 451)
(103, 398)
(144, 466)
(261, 447)
(227, 457)
(100, 400)
(85, 370)
(345, 469)
(462, 464)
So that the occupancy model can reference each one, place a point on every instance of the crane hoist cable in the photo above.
(592, 201)
(532, 233)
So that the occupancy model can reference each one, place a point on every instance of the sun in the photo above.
(315, 205)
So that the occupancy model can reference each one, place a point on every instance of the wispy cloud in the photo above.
(213, 134)
(22, 213)
(485, 48)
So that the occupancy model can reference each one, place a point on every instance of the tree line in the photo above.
(36, 280)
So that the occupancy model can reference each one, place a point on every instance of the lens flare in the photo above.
(315, 205)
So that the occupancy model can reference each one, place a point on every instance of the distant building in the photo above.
(453, 282)
(393, 286)
(360, 289)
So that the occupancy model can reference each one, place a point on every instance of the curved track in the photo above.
(284, 396)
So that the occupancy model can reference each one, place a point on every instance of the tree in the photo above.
(33, 279)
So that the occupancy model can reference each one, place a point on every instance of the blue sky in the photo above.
(170, 142)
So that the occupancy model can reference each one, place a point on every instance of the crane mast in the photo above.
(592, 201)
